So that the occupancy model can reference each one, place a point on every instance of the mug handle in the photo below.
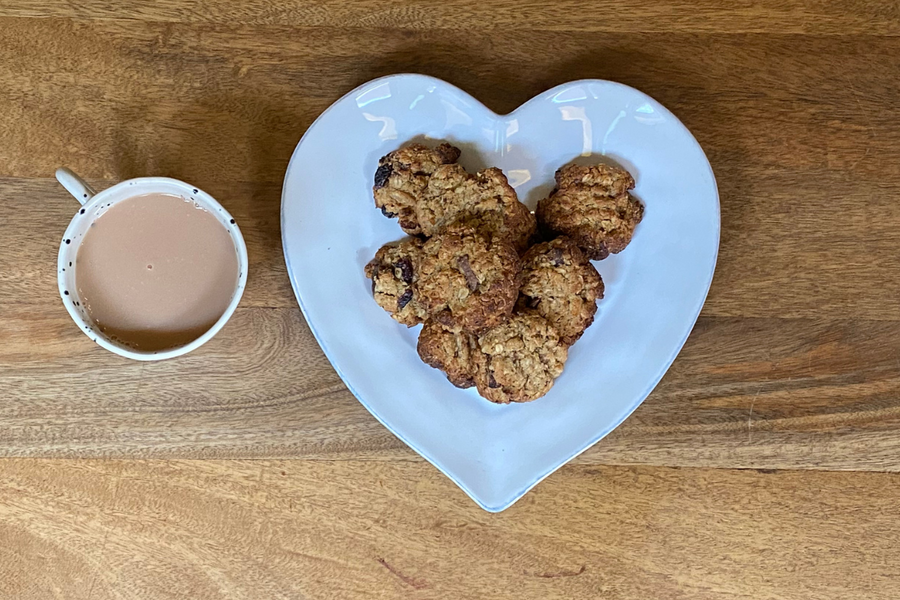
(75, 185)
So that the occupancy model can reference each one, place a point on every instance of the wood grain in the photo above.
(797, 129)
(837, 17)
(28, 276)
(793, 368)
(216, 102)
(764, 393)
(806, 237)
(323, 530)
(838, 261)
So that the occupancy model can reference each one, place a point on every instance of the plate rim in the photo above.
(549, 92)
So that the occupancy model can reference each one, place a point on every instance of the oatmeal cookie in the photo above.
(468, 280)
(613, 180)
(484, 201)
(452, 353)
(394, 272)
(592, 206)
(401, 177)
(519, 359)
(561, 285)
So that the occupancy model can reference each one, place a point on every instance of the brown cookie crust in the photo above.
(519, 360)
(468, 280)
(452, 353)
(560, 284)
(613, 180)
(592, 206)
(403, 175)
(484, 201)
(394, 272)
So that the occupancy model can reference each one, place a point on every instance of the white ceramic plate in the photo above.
(654, 289)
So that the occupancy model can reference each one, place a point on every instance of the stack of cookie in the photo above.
(500, 308)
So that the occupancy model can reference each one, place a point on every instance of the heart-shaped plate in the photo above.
(654, 289)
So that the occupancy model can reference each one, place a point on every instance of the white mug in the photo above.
(94, 204)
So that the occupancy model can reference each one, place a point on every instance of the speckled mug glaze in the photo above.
(94, 205)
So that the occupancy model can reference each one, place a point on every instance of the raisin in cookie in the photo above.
(519, 359)
(403, 175)
(561, 285)
(452, 353)
(484, 201)
(468, 280)
(394, 272)
(592, 206)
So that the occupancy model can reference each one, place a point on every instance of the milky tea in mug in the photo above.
(156, 271)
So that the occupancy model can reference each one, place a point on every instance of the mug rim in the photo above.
(102, 340)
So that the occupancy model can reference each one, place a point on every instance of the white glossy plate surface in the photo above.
(654, 289)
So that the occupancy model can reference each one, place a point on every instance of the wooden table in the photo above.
(763, 466)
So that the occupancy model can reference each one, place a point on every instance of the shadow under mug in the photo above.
(94, 205)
